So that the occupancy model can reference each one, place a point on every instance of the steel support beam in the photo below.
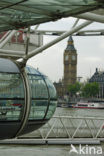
(7, 39)
(27, 40)
(4, 36)
(63, 36)
(76, 22)
(11, 52)
(91, 16)
(50, 32)
(37, 26)
(93, 32)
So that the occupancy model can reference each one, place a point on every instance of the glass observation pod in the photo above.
(27, 99)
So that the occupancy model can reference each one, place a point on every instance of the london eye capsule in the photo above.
(27, 99)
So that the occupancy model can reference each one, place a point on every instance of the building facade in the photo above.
(98, 77)
(60, 88)
(70, 64)
(70, 68)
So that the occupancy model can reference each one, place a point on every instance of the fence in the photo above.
(70, 127)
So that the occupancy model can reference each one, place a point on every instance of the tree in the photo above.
(90, 89)
(74, 88)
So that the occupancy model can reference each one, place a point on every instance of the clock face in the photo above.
(73, 57)
(66, 58)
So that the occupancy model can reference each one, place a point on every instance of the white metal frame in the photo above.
(63, 36)
(90, 32)
(26, 55)
(70, 127)
(92, 17)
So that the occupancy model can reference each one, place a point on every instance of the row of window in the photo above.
(97, 79)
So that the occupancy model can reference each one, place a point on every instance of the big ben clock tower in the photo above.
(70, 64)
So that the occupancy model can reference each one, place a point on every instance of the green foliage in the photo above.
(74, 88)
(90, 89)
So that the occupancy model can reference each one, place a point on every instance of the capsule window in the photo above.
(52, 90)
(39, 99)
(52, 108)
(11, 96)
(53, 98)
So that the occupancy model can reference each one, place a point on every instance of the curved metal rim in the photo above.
(48, 98)
(26, 109)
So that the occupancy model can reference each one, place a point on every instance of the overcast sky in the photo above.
(90, 52)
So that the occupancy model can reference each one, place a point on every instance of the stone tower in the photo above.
(70, 64)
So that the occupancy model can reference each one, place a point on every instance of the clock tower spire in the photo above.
(70, 64)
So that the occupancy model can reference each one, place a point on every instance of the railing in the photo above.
(71, 127)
